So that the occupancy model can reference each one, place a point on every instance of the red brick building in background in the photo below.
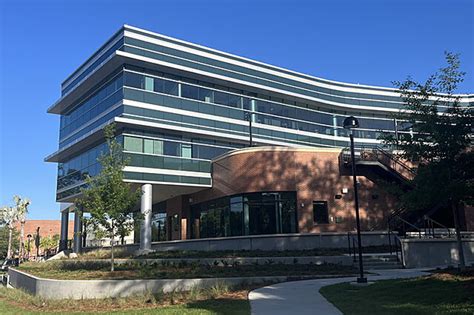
(48, 228)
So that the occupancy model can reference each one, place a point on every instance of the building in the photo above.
(46, 229)
(186, 113)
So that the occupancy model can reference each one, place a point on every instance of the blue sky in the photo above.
(366, 42)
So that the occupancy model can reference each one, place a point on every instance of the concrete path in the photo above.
(302, 297)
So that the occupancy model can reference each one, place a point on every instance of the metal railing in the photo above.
(378, 154)
(430, 227)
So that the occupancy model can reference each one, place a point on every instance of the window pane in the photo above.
(221, 98)
(186, 150)
(170, 88)
(159, 85)
(157, 147)
(171, 148)
(205, 95)
(148, 146)
(133, 144)
(134, 80)
(149, 83)
(190, 91)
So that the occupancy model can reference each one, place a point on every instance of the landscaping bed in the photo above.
(88, 270)
(105, 253)
(215, 300)
(444, 292)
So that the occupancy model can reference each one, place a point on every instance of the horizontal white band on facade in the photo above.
(353, 99)
(259, 86)
(162, 171)
(139, 181)
(237, 121)
(256, 139)
(246, 96)
(349, 87)
(78, 129)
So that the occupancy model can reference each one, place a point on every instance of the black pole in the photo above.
(361, 279)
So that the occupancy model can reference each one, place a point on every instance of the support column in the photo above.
(146, 211)
(64, 230)
(77, 242)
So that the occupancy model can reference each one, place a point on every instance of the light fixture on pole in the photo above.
(350, 123)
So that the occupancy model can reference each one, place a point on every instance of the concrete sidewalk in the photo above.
(303, 297)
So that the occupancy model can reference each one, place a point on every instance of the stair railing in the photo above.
(431, 226)
(405, 222)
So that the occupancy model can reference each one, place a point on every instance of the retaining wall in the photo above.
(419, 253)
(98, 289)
(279, 242)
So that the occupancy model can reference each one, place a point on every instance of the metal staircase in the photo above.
(376, 157)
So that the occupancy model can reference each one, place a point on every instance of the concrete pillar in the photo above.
(146, 210)
(64, 230)
(77, 242)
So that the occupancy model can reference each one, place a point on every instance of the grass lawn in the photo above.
(445, 292)
(213, 301)
(86, 270)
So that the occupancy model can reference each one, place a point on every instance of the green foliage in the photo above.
(48, 243)
(108, 199)
(440, 142)
(4, 241)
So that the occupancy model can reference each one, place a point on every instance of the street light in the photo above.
(248, 116)
(350, 123)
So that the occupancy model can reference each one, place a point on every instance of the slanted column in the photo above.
(146, 211)
(64, 230)
(77, 242)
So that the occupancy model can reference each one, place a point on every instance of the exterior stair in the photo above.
(379, 261)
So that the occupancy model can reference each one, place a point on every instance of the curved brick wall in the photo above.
(314, 173)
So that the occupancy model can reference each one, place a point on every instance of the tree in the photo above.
(439, 143)
(21, 205)
(108, 199)
(49, 243)
(10, 216)
(5, 240)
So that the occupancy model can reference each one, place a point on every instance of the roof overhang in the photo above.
(106, 68)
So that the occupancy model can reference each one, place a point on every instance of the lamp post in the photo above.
(350, 123)
(248, 117)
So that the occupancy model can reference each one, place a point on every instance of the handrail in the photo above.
(406, 222)
(428, 219)
(380, 155)
(395, 159)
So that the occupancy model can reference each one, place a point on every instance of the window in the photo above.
(149, 84)
(171, 148)
(320, 212)
(186, 151)
(133, 144)
(190, 91)
(170, 88)
(148, 146)
(157, 147)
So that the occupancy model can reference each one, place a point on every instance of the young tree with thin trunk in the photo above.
(439, 142)
(21, 205)
(108, 199)
(9, 217)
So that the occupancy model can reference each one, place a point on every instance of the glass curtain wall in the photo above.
(245, 214)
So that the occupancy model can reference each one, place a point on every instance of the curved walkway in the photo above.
(303, 297)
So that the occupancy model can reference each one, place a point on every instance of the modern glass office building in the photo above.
(178, 106)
